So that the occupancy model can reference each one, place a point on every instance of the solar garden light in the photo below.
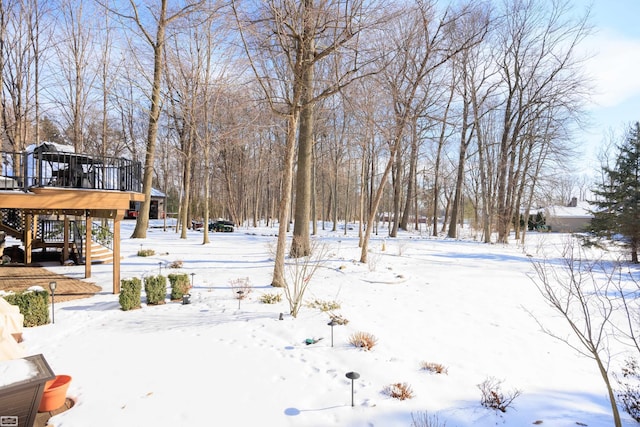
(240, 293)
(159, 267)
(352, 376)
(332, 324)
(52, 287)
(192, 274)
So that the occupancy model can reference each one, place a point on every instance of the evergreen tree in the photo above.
(618, 201)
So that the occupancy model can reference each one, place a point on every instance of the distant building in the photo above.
(573, 218)
(156, 210)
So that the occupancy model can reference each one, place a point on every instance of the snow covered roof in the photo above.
(157, 193)
(582, 210)
(50, 146)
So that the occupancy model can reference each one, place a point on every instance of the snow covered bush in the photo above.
(363, 340)
(146, 252)
(493, 397)
(156, 289)
(130, 290)
(400, 391)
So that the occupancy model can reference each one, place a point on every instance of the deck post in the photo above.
(87, 248)
(116, 250)
(65, 242)
(28, 237)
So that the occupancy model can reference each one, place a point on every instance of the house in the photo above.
(573, 218)
(156, 209)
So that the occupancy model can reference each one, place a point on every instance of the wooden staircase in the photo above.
(100, 254)
(50, 237)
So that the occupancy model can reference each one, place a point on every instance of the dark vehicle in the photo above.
(222, 226)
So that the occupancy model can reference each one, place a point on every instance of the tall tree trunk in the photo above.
(411, 180)
(142, 222)
(285, 200)
(301, 245)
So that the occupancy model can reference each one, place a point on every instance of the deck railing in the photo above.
(41, 168)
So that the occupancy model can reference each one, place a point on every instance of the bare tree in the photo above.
(17, 61)
(538, 63)
(157, 43)
(285, 41)
(75, 53)
(578, 289)
(418, 54)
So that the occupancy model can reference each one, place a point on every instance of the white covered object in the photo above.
(10, 317)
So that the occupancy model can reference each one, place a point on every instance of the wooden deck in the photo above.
(16, 278)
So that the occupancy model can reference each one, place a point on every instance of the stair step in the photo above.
(100, 254)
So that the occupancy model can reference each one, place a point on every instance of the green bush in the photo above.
(34, 306)
(146, 252)
(270, 298)
(156, 289)
(179, 285)
(130, 290)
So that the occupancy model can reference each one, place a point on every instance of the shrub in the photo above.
(363, 340)
(423, 419)
(400, 391)
(493, 397)
(436, 368)
(146, 252)
(629, 396)
(270, 298)
(156, 289)
(179, 285)
(130, 290)
(33, 305)
(241, 287)
(176, 264)
(324, 306)
(300, 271)
(338, 319)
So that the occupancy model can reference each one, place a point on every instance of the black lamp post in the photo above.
(52, 287)
(352, 376)
(332, 324)
(240, 293)
(159, 267)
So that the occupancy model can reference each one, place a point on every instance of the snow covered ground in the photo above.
(468, 306)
